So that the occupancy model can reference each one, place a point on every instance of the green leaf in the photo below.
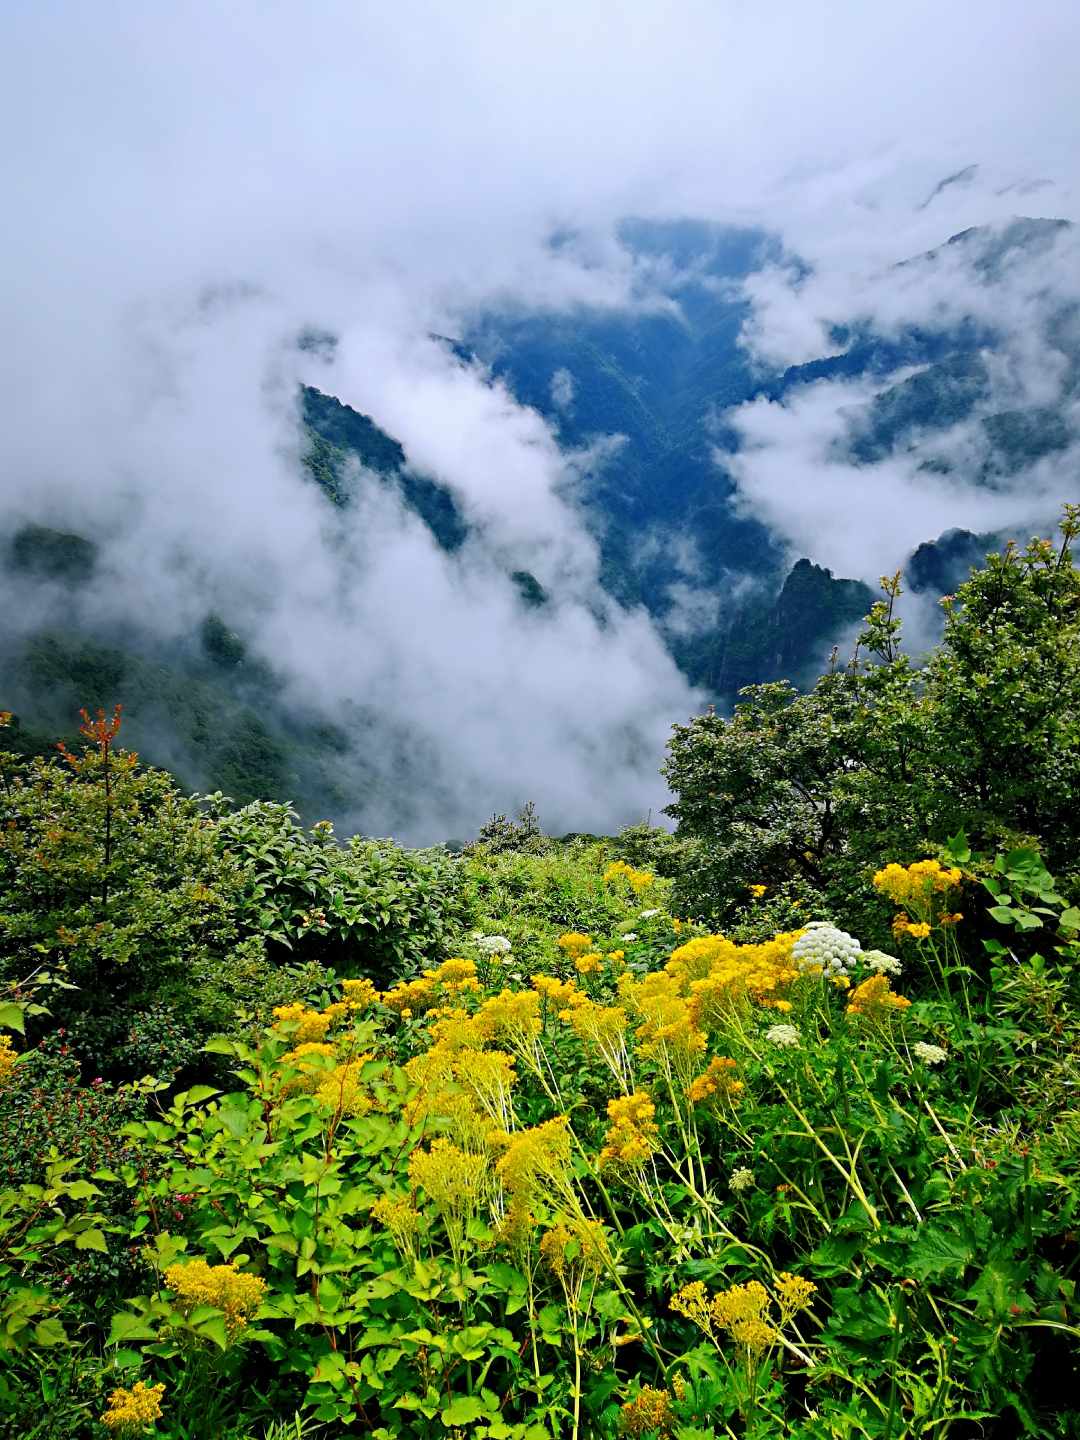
(126, 1326)
(958, 847)
(937, 1251)
(463, 1411)
(11, 1015)
(91, 1240)
(50, 1332)
(212, 1328)
(198, 1093)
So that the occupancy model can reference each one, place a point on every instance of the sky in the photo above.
(190, 186)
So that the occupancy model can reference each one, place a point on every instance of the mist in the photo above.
(193, 188)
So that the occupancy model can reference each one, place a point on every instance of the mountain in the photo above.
(643, 399)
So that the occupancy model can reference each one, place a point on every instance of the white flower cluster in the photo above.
(741, 1179)
(629, 936)
(834, 950)
(493, 944)
(648, 914)
(786, 1036)
(881, 963)
(931, 1054)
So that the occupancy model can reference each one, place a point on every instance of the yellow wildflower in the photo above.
(875, 1000)
(556, 992)
(919, 890)
(693, 1302)
(7, 1059)
(453, 979)
(649, 1410)
(536, 1158)
(311, 1071)
(743, 1312)
(453, 1181)
(574, 944)
(311, 1026)
(131, 1411)
(718, 1083)
(757, 890)
(602, 1028)
(222, 1286)
(455, 1030)
(359, 994)
(793, 1293)
(341, 1090)
(401, 1219)
(632, 1137)
(639, 879)
(574, 1251)
(488, 1076)
(589, 964)
(513, 1015)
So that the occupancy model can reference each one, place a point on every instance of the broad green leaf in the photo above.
(126, 1326)
(50, 1332)
(937, 1251)
(11, 1015)
(91, 1240)
(465, 1410)
(198, 1093)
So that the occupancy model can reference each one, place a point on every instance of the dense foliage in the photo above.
(299, 1138)
(885, 759)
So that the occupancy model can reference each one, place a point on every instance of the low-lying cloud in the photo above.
(191, 187)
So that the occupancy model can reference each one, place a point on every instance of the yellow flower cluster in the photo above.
(590, 964)
(574, 1251)
(306, 1058)
(534, 1158)
(633, 1134)
(312, 1024)
(574, 944)
(639, 879)
(130, 1411)
(452, 979)
(601, 1028)
(401, 1219)
(453, 1180)
(488, 1076)
(919, 889)
(341, 1089)
(744, 1310)
(648, 1411)
(718, 1084)
(7, 1059)
(557, 993)
(358, 994)
(718, 974)
(874, 1000)
(668, 1034)
(223, 1286)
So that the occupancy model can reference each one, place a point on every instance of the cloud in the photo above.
(799, 466)
(190, 186)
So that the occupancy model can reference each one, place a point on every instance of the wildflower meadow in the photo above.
(763, 1128)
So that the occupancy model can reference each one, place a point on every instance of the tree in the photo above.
(884, 759)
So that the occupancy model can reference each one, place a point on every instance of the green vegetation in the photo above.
(763, 1128)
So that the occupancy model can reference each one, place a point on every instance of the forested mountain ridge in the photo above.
(644, 401)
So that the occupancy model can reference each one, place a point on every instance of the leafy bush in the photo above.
(885, 759)
(167, 915)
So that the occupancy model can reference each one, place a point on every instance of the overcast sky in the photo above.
(189, 185)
